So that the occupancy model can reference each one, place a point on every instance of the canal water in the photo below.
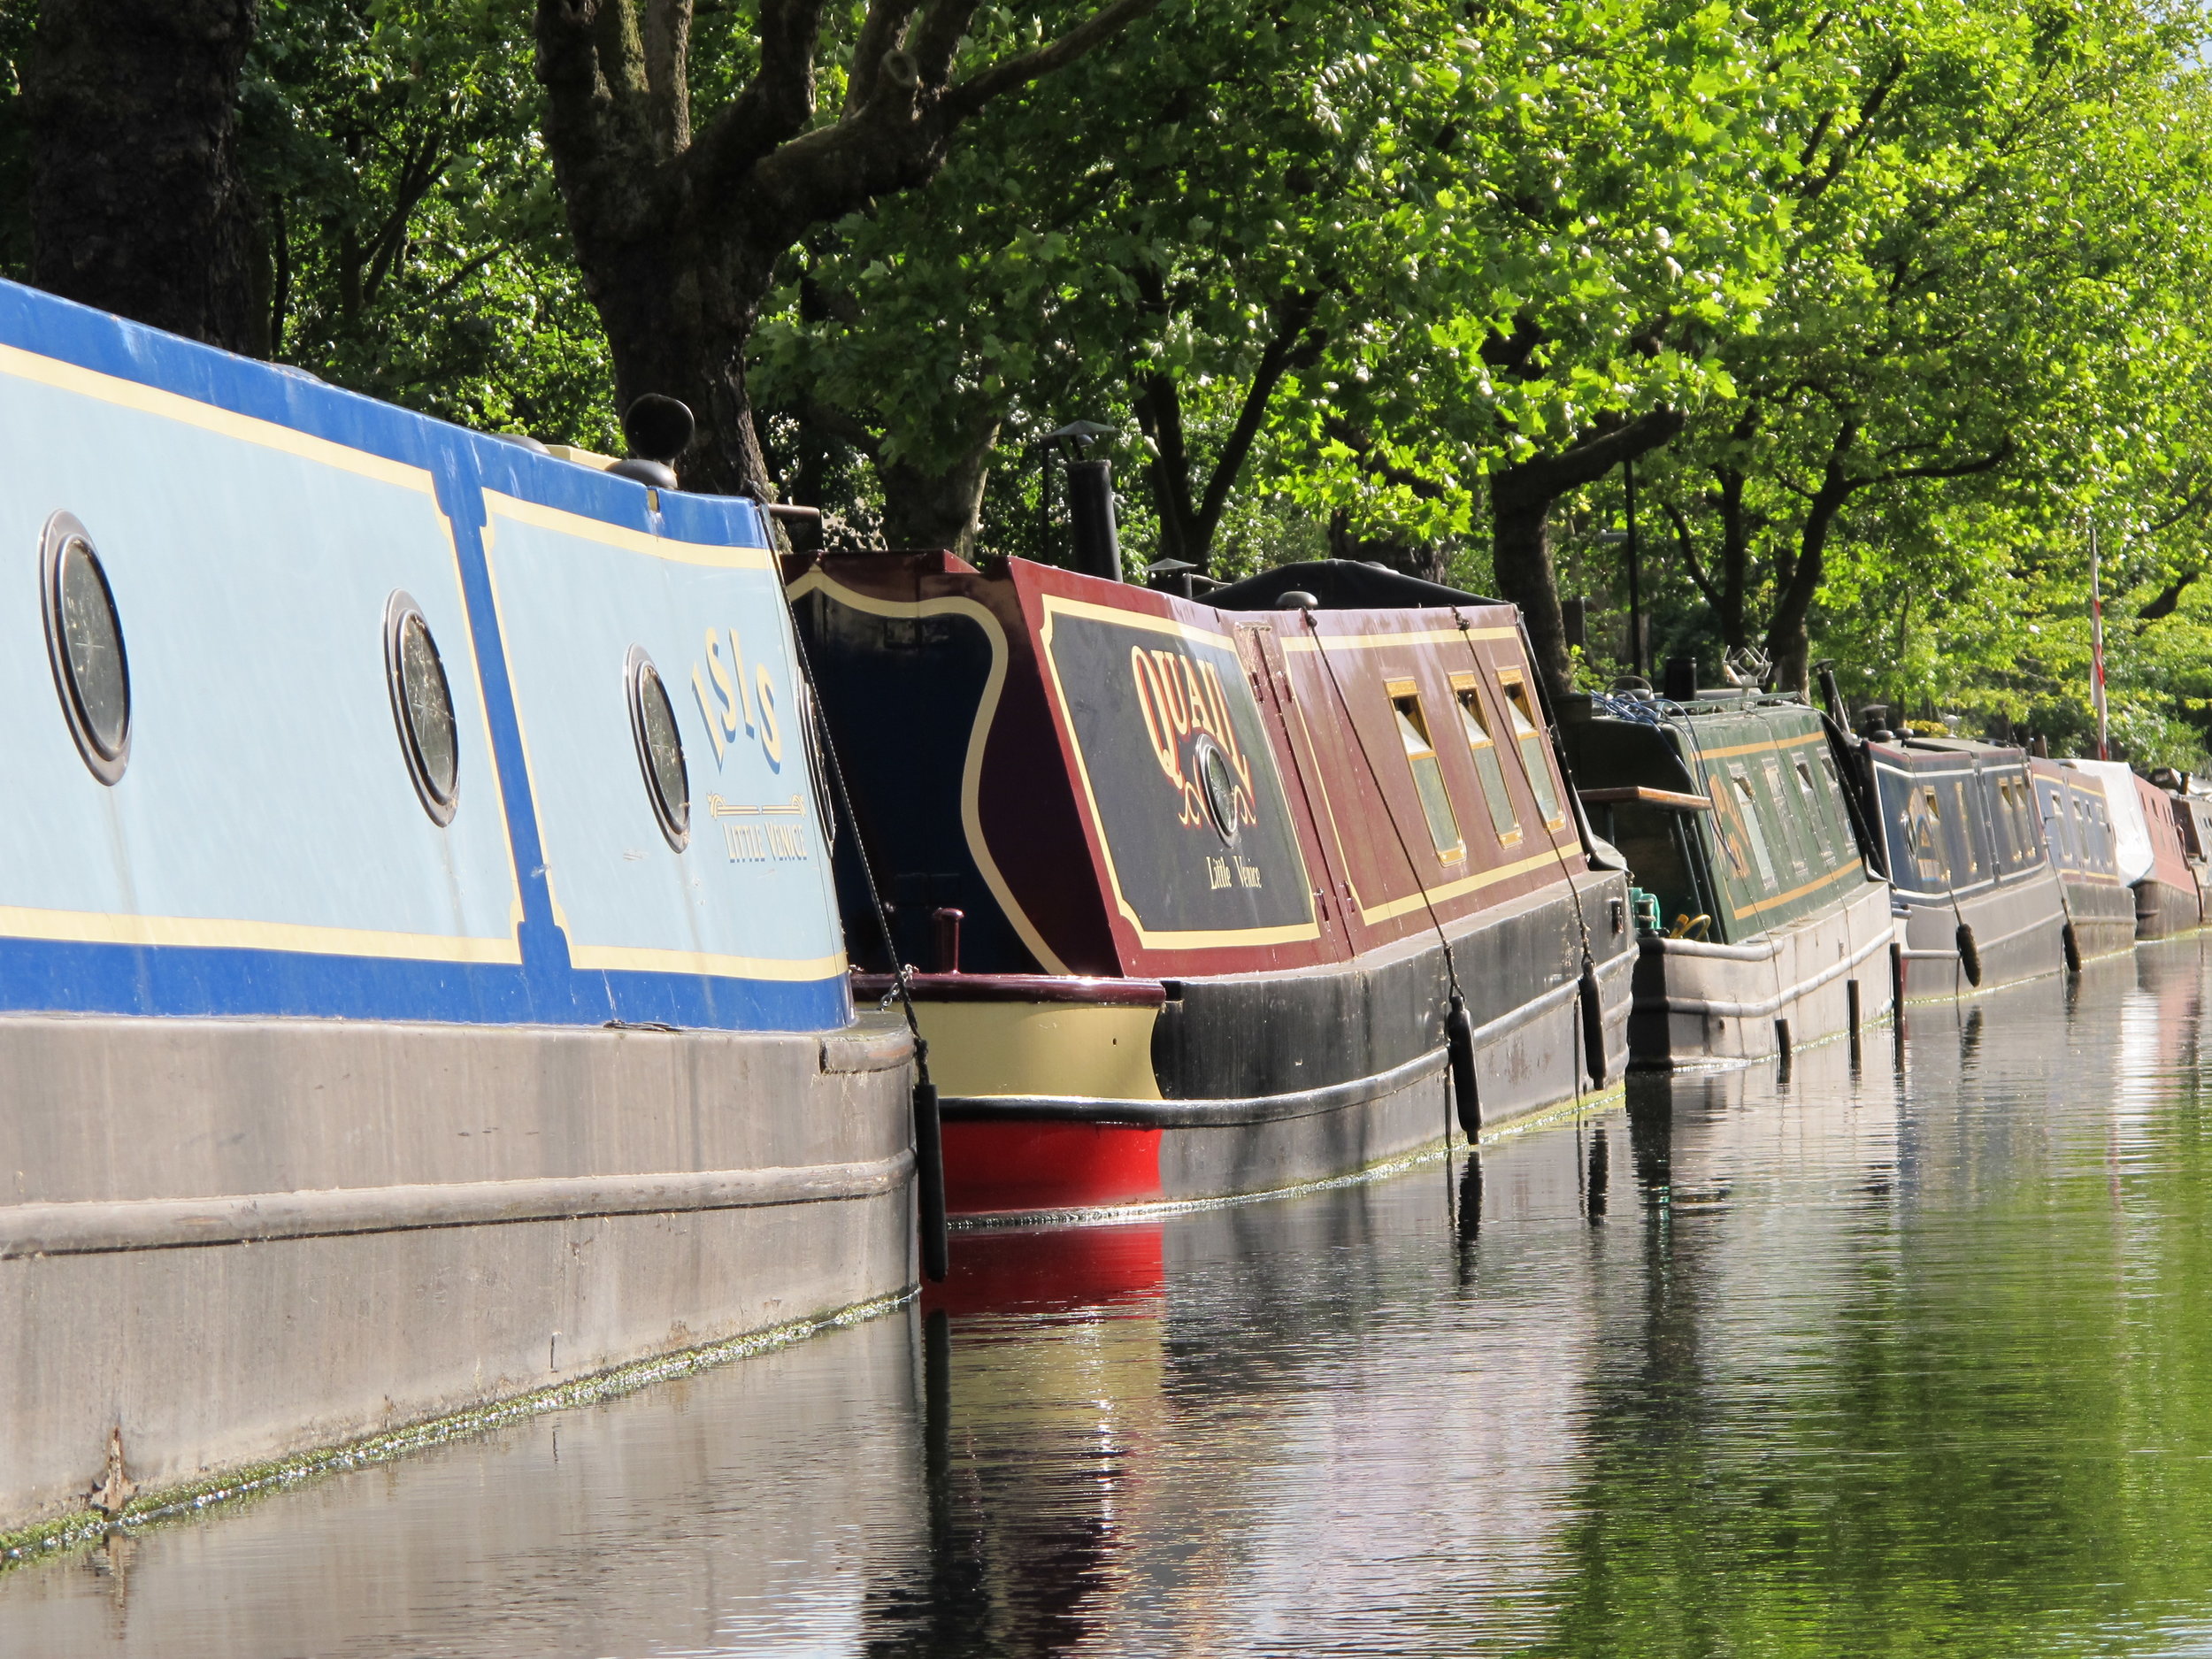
(1898, 1353)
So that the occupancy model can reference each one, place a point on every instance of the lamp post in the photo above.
(2096, 649)
(1635, 594)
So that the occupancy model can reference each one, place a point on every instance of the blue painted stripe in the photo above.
(46, 977)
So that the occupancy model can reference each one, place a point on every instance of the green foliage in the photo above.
(415, 247)
(1326, 269)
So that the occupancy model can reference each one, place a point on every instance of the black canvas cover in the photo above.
(1341, 585)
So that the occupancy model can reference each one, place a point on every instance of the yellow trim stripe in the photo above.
(979, 734)
(1780, 899)
(1377, 642)
(615, 535)
(94, 927)
(652, 959)
(1056, 605)
(1390, 909)
(1773, 744)
(67, 377)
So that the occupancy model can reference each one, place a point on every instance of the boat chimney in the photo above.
(658, 429)
(1680, 682)
(1090, 497)
(1091, 517)
(1833, 696)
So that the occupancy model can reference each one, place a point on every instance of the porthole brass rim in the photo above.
(1204, 754)
(62, 531)
(439, 804)
(636, 670)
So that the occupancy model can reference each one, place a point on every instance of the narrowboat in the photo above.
(420, 977)
(2148, 850)
(2078, 835)
(1771, 929)
(2192, 814)
(1204, 899)
(1976, 899)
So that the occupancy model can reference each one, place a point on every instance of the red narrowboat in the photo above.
(1190, 888)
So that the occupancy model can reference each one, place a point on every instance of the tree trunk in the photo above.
(1789, 641)
(1735, 558)
(678, 316)
(677, 231)
(1520, 553)
(136, 203)
(1424, 559)
(937, 509)
(1520, 525)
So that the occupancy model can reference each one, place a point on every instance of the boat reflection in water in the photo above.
(1888, 1350)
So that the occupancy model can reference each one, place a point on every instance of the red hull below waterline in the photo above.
(1037, 1168)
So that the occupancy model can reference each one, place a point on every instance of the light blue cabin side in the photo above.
(265, 850)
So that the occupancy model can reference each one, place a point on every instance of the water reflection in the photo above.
(1906, 1350)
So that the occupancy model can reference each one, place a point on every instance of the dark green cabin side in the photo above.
(1726, 810)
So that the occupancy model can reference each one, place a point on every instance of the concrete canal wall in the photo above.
(229, 1242)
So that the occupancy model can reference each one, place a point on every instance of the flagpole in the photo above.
(2096, 648)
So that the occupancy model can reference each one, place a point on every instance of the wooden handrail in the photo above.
(1673, 799)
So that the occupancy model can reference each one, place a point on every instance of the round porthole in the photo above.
(660, 748)
(422, 705)
(1219, 784)
(84, 646)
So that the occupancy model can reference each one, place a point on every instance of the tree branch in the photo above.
(1009, 73)
(776, 105)
(1590, 460)
(1686, 545)
(1293, 338)
(667, 42)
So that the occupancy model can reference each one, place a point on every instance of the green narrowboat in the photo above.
(1761, 923)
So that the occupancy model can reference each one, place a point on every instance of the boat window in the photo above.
(1928, 835)
(84, 646)
(1428, 775)
(1783, 815)
(1816, 806)
(2055, 826)
(422, 707)
(2022, 821)
(1747, 809)
(660, 748)
(2008, 827)
(1529, 737)
(1476, 729)
(1966, 827)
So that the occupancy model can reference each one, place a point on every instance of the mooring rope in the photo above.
(929, 1147)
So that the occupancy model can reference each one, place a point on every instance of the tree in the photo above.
(135, 199)
(677, 236)
(1612, 223)
(410, 243)
(1967, 188)
(1219, 215)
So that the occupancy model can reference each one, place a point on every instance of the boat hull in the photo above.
(1698, 1002)
(2164, 908)
(233, 1241)
(2019, 931)
(2103, 916)
(1258, 1082)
